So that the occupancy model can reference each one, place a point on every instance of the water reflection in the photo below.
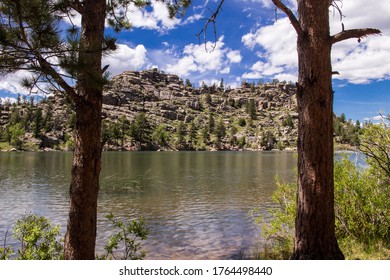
(195, 203)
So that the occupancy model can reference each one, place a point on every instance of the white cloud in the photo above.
(193, 19)
(11, 82)
(8, 99)
(234, 56)
(126, 58)
(269, 4)
(279, 53)
(183, 66)
(369, 60)
(357, 63)
(156, 18)
(195, 58)
(264, 3)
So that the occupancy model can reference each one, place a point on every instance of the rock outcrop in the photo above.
(166, 100)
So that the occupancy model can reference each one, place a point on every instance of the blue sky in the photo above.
(252, 45)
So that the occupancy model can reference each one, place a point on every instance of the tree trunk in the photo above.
(315, 222)
(80, 237)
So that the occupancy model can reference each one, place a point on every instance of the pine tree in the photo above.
(315, 220)
(32, 33)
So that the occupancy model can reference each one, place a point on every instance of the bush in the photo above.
(128, 235)
(241, 122)
(279, 230)
(362, 209)
(39, 240)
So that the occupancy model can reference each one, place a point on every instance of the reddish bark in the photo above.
(80, 237)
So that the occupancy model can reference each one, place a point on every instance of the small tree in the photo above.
(188, 83)
(375, 145)
(160, 135)
(193, 133)
(211, 123)
(180, 135)
(140, 129)
(251, 109)
(16, 133)
(38, 122)
(220, 130)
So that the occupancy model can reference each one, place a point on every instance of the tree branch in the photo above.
(211, 20)
(294, 21)
(353, 33)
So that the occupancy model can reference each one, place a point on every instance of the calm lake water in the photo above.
(196, 204)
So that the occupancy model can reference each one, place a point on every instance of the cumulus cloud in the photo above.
(369, 60)
(195, 58)
(155, 17)
(126, 58)
(357, 63)
(12, 83)
(278, 50)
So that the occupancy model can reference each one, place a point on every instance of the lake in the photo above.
(196, 204)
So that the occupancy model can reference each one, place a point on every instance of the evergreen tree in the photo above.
(140, 129)
(160, 135)
(211, 123)
(315, 219)
(220, 130)
(48, 122)
(232, 135)
(207, 98)
(342, 118)
(31, 35)
(288, 121)
(180, 135)
(188, 83)
(221, 84)
(251, 109)
(123, 129)
(38, 122)
(193, 132)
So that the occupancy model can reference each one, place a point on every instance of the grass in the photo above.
(350, 248)
(357, 251)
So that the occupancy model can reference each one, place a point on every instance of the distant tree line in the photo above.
(31, 119)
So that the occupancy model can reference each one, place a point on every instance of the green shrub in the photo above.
(241, 122)
(279, 230)
(39, 240)
(362, 206)
(362, 209)
(128, 236)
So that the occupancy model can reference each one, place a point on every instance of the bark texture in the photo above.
(315, 236)
(315, 221)
(80, 237)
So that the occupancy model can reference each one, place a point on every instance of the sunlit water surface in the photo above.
(196, 204)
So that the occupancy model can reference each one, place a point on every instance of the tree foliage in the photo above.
(39, 240)
(129, 236)
(361, 208)
(35, 35)
(375, 144)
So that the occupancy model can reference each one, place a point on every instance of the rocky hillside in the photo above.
(152, 110)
